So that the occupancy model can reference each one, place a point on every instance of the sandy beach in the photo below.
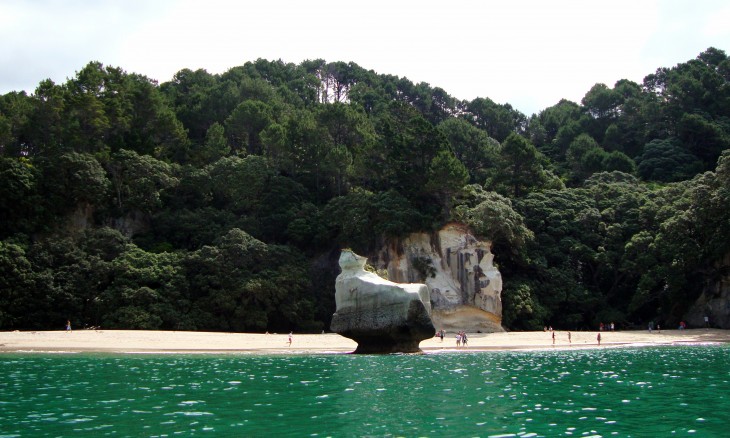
(139, 341)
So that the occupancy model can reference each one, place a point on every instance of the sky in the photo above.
(530, 54)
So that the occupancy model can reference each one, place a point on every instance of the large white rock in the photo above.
(380, 315)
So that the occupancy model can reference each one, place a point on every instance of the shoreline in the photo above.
(177, 342)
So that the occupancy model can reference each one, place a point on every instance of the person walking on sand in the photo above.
(68, 326)
(599, 338)
(290, 336)
(553, 338)
(569, 338)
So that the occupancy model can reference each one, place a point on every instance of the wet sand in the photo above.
(141, 341)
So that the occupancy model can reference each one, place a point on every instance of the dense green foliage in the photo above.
(220, 202)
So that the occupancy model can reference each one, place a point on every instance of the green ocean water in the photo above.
(652, 392)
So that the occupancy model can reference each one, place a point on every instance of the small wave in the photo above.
(47, 351)
(192, 413)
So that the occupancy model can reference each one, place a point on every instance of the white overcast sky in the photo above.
(526, 53)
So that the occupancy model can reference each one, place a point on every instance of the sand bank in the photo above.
(140, 341)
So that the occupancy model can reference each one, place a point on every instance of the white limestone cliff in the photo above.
(465, 285)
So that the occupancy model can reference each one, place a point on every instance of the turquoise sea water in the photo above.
(667, 391)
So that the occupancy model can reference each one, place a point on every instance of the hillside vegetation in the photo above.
(218, 202)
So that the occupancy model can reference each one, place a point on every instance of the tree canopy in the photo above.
(220, 201)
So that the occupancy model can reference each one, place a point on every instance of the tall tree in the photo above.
(498, 120)
(472, 146)
(244, 126)
(520, 168)
(86, 122)
(74, 181)
(21, 204)
(446, 177)
(138, 181)
(585, 157)
(408, 144)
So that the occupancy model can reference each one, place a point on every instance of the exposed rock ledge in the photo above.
(714, 303)
(465, 285)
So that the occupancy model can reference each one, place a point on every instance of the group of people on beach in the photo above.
(570, 335)
(461, 339)
(552, 334)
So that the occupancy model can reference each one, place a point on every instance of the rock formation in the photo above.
(465, 285)
(380, 315)
(714, 303)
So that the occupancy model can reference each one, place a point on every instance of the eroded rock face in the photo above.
(380, 315)
(465, 285)
(714, 303)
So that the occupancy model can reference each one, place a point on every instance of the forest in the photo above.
(220, 202)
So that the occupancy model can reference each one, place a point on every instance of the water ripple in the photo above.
(649, 391)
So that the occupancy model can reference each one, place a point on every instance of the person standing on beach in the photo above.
(599, 338)
(290, 336)
(569, 338)
(553, 338)
(68, 326)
